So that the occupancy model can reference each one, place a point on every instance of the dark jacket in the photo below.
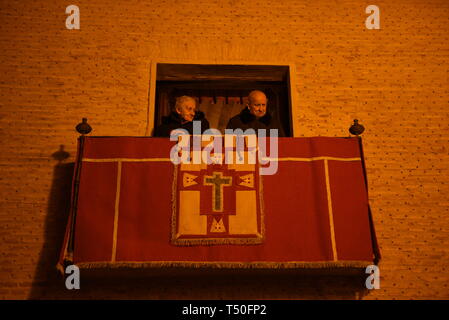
(174, 121)
(246, 120)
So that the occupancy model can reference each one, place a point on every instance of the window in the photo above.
(220, 90)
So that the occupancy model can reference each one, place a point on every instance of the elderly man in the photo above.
(255, 115)
(181, 118)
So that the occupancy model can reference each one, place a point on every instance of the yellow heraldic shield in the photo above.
(217, 204)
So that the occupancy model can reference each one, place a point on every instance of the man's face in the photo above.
(186, 110)
(258, 105)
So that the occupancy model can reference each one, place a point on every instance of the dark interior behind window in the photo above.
(221, 90)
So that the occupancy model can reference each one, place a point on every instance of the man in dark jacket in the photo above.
(182, 118)
(255, 115)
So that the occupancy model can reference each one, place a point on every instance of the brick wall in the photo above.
(394, 80)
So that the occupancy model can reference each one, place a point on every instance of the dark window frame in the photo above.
(209, 79)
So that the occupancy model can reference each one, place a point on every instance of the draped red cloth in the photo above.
(126, 208)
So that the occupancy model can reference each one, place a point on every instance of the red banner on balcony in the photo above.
(131, 206)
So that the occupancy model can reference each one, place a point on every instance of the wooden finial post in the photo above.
(83, 127)
(356, 129)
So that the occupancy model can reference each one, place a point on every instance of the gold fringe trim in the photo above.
(174, 221)
(261, 203)
(329, 210)
(127, 160)
(310, 159)
(116, 211)
(212, 241)
(227, 265)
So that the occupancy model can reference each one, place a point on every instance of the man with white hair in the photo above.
(182, 117)
(255, 115)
